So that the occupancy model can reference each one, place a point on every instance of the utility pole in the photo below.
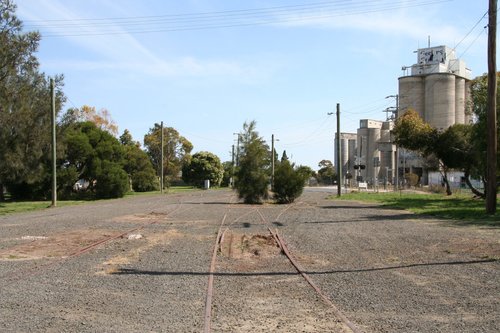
(232, 167)
(339, 153)
(272, 160)
(161, 145)
(237, 149)
(491, 151)
(53, 120)
(395, 177)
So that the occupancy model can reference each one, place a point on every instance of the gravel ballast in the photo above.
(385, 270)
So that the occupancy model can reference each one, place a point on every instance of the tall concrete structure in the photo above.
(348, 149)
(438, 88)
(375, 151)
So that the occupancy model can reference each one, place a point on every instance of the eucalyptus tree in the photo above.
(176, 150)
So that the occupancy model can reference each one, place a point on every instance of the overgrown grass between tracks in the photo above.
(460, 208)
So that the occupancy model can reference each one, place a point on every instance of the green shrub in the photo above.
(144, 181)
(288, 182)
(203, 166)
(112, 181)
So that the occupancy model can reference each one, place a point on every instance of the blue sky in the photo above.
(284, 64)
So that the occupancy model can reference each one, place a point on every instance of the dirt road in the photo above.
(141, 264)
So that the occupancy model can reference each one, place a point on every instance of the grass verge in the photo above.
(11, 207)
(463, 209)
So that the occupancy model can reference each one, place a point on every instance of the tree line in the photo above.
(92, 160)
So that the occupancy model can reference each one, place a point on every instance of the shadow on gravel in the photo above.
(457, 217)
(132, 271)
(361, 206)
(372, 218)
(209, 203)
(445, 263)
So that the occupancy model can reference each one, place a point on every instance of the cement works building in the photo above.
(437, 87)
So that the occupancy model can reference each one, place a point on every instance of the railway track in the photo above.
(365, 266)
(225, 226)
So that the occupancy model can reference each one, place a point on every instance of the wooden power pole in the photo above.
(162, 156)
(54, 148)
(491, 152)
(339, 155)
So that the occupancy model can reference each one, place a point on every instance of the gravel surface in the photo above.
(385, 270)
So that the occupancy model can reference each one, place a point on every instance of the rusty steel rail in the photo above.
(210, 287)
(281, 243)
(325, 298)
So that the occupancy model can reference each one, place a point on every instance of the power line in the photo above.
(472, 29)
(217, 19)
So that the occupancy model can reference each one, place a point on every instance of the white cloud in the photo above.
(405, 24)
(182, 67)
(124, 51)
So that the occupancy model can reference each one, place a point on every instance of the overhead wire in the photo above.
(471, 30)
(216, 20)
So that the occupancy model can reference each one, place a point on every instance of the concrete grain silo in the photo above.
(368, 153)
(438, 89)
(412, 94)
(440, 100)
(460, 107)
(348, 152)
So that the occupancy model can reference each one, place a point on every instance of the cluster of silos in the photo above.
(368, 154)
(439, 98)
(348, 153)
(387, 151)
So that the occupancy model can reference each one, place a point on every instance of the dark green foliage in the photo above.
(479, 106)
(33, 191)
(111, 181)
(203, 166)
(288, 182)
(228, 173)
(145, 181)
(326, 173)
(456, 147)
(306, 170)
(284, 157)
(252, 176)
(413, 133)
(138, 165)
(24, 108)
(94, 155)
